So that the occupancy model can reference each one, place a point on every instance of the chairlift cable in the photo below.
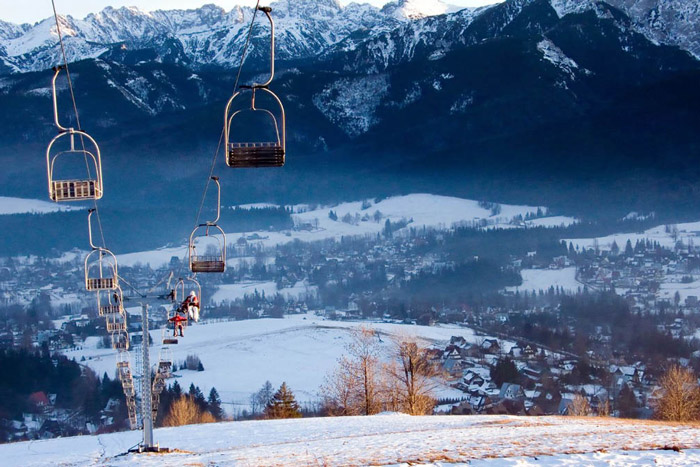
(75, 110)
(121, 278)
(221, 136)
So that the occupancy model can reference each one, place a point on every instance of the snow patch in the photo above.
(351, 103)
(554, 54)
(10, 205)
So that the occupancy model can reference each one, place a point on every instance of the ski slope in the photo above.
(239, 356)
(385, 439)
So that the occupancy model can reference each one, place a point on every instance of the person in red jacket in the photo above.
(178, 320)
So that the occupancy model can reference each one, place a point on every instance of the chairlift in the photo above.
(120, 340)
(180, 293)
(113, 304)
(250, 154)
(61, 150)
(116, 322)
(207, 261)
(100, 265)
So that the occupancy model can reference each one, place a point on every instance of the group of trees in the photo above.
(363, 383)
(179, 408)
(274, 404)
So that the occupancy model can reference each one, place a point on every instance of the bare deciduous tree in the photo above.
(579, 406)
(338, 390)
(680, 396)
(415, 374)
(354, 388)
(185, 411)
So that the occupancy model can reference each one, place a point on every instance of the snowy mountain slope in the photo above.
(210, 36)
(387, 439)
(423, 210)
(413, 9)
(671, 22)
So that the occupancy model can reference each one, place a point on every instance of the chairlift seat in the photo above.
(110, 310)
(116, 327)
(169, 341)
(251, 155)
(207, 264)
(100, 283)
(75, 190)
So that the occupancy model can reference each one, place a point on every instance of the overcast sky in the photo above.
(30, 11)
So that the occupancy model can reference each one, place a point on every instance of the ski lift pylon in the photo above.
(73, 188)
(207, 261)
(252, 154)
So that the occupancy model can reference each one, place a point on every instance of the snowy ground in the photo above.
(687, 232)
(542, 279)
(426, 210)
(231, 292)
(10, 205)
(387, 439)
(239, 356)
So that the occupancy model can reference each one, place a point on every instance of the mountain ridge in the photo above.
(210, 36)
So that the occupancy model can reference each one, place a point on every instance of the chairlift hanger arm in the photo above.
(90, 211)
(57, 71)
(267, 10)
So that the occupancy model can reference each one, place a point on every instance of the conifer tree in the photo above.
(283, 404)
(214, 403)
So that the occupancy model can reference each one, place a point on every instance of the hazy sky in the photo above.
(29, 11)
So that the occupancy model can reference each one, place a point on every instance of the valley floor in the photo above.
(386, 439)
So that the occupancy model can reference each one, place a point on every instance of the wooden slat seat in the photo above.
(208, 264)
(101, 283)
(110, 310)
(251, 155)
(116, 327)
(75, 190)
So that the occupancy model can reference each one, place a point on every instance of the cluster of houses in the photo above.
(543, 381)
(44, 420)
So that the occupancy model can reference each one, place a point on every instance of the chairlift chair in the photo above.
(113, 303)
(120, 340)
(250, 154)
(61, 148)
(116, 322)
(208, 262)
(181, 292)
(100, 265)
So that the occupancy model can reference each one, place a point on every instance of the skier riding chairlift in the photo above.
(178, 320)
(191, 306)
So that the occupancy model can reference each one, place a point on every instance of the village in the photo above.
(543, 348)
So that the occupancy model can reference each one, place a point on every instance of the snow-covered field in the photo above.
(10, 205)
(239, 356)
(426, 210)
(686, 232)
(386, 439)
(543, 279)
(239, 290)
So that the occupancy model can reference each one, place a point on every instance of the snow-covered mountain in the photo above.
(210, 36)
(207, 36)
